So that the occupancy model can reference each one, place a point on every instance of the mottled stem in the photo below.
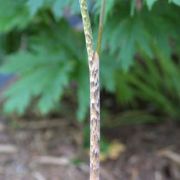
(93, 60)
(94, 118)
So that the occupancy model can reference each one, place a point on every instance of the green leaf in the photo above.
(37, 78)
(23, 99)
(133, 7)
(54, 90)
(34, 6)
(13, 14)
(177, 2)
(59, 7)
(108, 79)
(83, 91)
(150, 3)
(124, 92)
(127, 42)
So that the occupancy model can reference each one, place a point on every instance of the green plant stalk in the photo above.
(87, 28)
(93, 60)
(100, 30)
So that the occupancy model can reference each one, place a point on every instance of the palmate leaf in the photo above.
(53, 91)
(133, 7)
(147, 34)
(142, 33)
(13, 14)
(108, 73)
(34, 6)
(40, 79)
(58, 7)
(177, 2)
(127, 38)
(121, 42)
(150, 3)
(124, 92)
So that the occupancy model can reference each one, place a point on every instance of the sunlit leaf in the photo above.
(34, 6)
(150, 3)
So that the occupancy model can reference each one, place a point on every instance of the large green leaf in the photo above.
(59, 7)
(13, 14)
(34, 5)
(43, 80)
(52, 54)
(150, 3)
(177, 2)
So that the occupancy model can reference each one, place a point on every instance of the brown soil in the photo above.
(52, 150)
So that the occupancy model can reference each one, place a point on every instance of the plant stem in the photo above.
(93, 60)
(100, 30)
(87, 28)
(94, 118)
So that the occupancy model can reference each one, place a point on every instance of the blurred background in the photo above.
(44, 90)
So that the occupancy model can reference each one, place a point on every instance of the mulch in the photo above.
(39, 150)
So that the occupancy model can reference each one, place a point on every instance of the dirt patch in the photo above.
(52, 150)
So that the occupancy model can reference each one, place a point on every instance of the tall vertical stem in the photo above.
(94, 118)
(93, 60)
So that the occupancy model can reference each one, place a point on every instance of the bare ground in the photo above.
(52, 150)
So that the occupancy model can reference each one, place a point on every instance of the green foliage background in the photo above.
(139, 62)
